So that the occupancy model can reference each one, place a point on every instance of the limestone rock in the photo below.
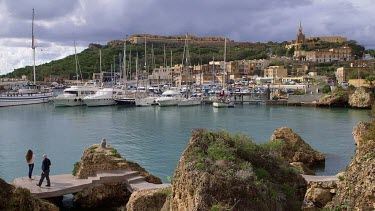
(334, 100)
(318, 194)
(12, 198)
(94, 46)
(150, 200)
(359, 131)
(295, 149)
(103, 195)
(361, 98)
(356, 191)
(302, 168)
(249, 177)
(96, 158)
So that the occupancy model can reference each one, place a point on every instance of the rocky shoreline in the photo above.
(219, 171)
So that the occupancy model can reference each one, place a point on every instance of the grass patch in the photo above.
(200, 166)
(115, 153)
(220, 151)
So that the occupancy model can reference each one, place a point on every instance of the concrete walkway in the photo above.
(67, 184)
(313, 178)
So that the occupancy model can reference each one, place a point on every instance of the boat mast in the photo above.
(75, 56)
(171, 70)
(33, 46)
(225, 66)
(136, 69)
(124, 68)
(100, 66)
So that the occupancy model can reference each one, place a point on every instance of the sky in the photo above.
(58, 23)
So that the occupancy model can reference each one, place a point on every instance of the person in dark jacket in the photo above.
(45, 171)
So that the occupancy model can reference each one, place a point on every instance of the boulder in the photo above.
(221, 172)
(339, 99)
(103, 195)
(294, 148)
(361, 98)
(302, 168)
(150, 200)
(12, 198)
(318, 194)
(356, 190)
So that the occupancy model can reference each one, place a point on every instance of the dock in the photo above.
(64, 184)
(313, 178)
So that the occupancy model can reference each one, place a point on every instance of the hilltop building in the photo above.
(324, 55)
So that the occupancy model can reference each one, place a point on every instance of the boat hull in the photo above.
(167, 101)
(189, 102)
(148, 101)
(126, 101)
(23, 100)
(99, 102)
(220, 105)
(68, 102)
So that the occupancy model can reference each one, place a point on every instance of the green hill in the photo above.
(200, 53)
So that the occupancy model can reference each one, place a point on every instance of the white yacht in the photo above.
(104, 97)
(191, 101)
(74, 95)
(168, 98)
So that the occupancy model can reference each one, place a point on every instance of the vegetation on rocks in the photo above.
(13, 199)
(218, 171)
(356, 189)
(150, 200)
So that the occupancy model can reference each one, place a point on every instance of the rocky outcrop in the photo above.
(318, 194)
(97, 158)
(94, 46)
(150, 200)
(356, 191)
(104, 195)
(361, 98)
(115, 43)
(302, 168)
(12, 198)
(359, 132)
(339, 99)
(101, 158)
(294, 148)
(220, 172)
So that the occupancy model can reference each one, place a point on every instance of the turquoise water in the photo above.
(155, 137)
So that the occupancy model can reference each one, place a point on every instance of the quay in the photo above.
(64, 184)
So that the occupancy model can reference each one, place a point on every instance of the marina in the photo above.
(155, 137)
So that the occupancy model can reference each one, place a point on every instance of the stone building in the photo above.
(325, 55)
(363, 67)
(276, 72)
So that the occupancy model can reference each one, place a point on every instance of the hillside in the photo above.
(200, 53)
(202, 50)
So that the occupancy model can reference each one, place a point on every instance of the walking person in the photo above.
(30, 161)
(45, 171)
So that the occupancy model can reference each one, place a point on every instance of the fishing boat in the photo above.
(30, 93)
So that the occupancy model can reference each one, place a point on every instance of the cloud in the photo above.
(59, 23)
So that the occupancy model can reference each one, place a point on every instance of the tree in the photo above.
(290, 52)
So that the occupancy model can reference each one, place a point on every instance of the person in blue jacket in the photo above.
(45, 171)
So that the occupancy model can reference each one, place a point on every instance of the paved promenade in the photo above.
(66, 183)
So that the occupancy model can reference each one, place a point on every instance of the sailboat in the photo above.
(29, 94)
(187, 100)
(223, 100)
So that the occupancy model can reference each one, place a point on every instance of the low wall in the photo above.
(298, 99)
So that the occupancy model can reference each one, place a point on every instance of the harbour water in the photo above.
(155, 137)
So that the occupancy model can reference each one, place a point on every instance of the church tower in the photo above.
(300, 36)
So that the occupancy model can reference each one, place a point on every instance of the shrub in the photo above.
(200, 166)
(326, 89)
(75, 169)
(261, 173)
(219, 151)
(115, 153)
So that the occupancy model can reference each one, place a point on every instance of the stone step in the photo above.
(135, 180)
(131, 175)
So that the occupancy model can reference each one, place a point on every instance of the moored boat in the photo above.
(74, 95)
(168, 98)
(103, 97)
